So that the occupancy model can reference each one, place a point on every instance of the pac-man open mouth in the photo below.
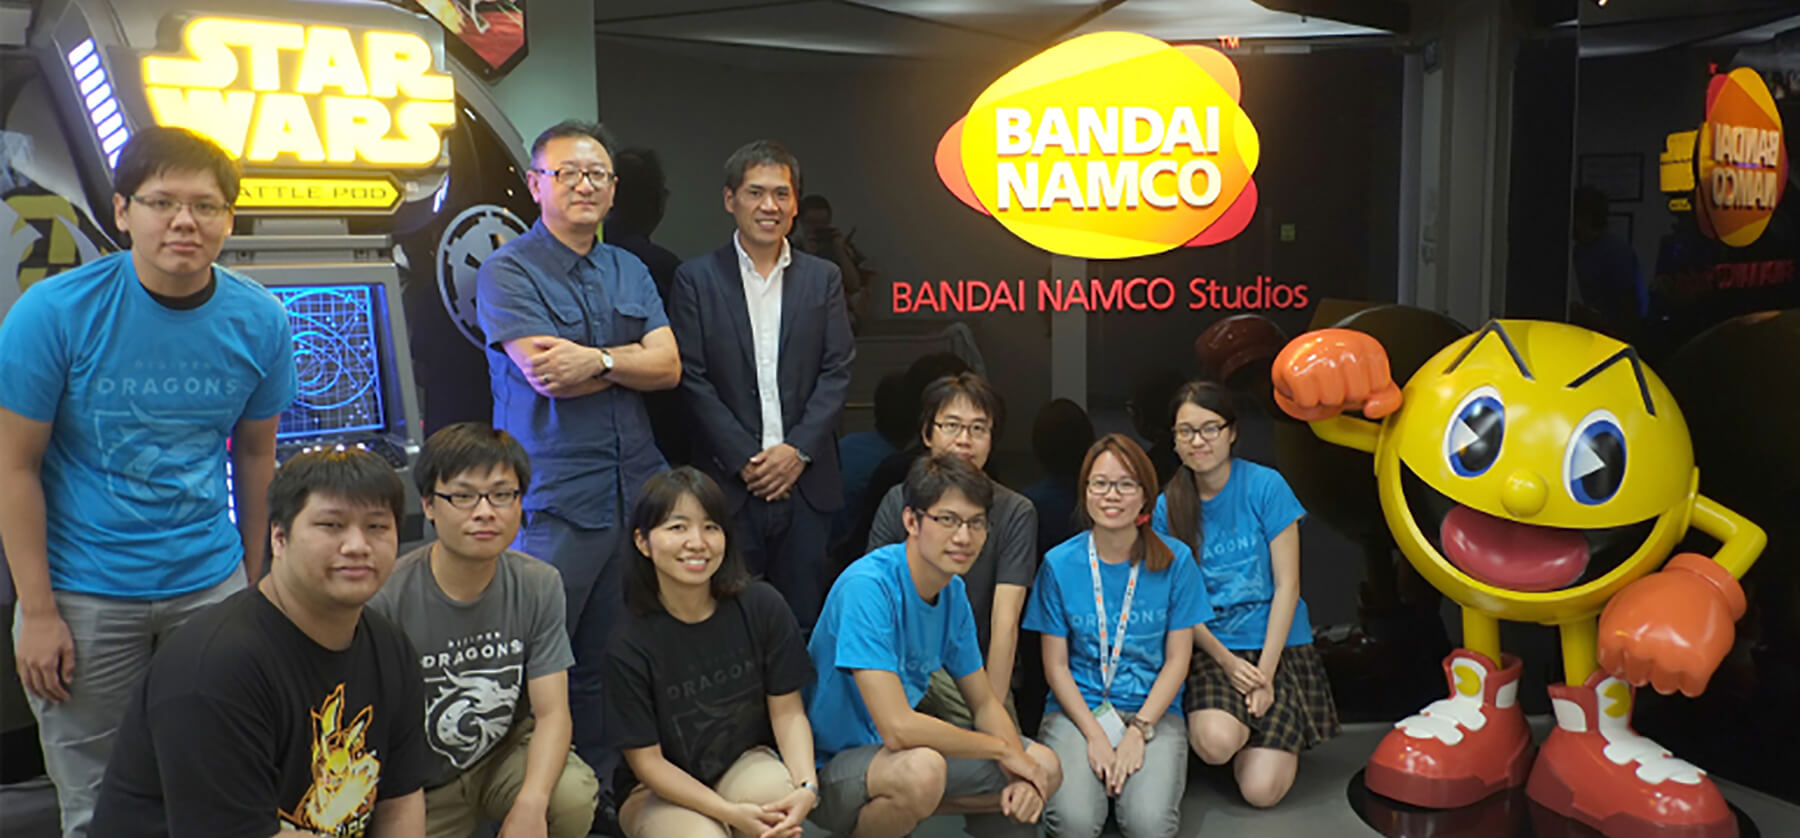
(1514, 555)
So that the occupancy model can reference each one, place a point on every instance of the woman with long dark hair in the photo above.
(705, 676)
(1257, 695)
(1116, 605)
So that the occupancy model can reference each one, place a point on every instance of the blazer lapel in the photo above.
(731, 287)
(791, 296)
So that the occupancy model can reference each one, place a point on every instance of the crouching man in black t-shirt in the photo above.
(287, 706)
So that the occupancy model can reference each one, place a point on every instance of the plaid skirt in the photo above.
(1303, 714)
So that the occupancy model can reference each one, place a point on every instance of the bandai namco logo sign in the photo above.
(1109, 146)
(1742, 159)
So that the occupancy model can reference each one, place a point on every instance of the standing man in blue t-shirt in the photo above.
(576, 332)
(892, 619)
(124, 380)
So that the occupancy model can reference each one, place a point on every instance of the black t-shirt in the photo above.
(701, 690)
(244, 725)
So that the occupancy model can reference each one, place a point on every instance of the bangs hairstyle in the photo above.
(469, 446)
(353, 475)
(572, 128)
(159, 149)
(1149, 547)
(932, 476)
(654, 506)
(760, 153)
(967, 385)
(1183, 491)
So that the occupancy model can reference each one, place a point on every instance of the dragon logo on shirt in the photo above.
(470, 712)
(345, 774)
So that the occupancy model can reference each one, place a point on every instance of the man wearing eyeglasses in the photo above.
(576, 332)
(488, 624)
(961, 417)
(120, 383)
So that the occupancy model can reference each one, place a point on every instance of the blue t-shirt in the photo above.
(589, 453)
(1254, 507)
(1062, 605)
(141, 398)
(874, 618)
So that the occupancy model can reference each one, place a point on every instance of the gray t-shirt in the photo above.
(477, 657)
(1009, 557)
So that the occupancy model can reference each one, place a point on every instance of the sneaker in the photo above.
(1460, 749)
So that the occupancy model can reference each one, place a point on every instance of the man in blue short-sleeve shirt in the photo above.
(575, 333)
(121, 382)
(893, 618)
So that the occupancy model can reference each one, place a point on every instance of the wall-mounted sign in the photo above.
(1119, 294)
(1742, 158)
(286, 95)
(379, 194)
(1109, 146)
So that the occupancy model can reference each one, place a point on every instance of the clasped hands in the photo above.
(771, 474)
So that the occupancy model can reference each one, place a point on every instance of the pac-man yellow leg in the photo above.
(1578, 641)
(1481, 633)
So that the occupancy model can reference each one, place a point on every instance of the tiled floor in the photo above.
(1318, 806)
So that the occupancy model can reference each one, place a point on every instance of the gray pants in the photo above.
(1150, 805)
(114, 641)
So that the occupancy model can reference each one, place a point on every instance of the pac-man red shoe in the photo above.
(1460, 749)
(1595, 769)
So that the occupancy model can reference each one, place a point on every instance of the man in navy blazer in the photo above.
(765, 353)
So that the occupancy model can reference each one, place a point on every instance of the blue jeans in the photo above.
(1150, 805)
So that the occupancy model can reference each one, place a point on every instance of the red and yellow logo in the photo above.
(1109, 146)
(1742, 160)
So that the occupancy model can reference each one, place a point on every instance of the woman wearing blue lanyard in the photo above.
(1258, 696)
(1115, 606)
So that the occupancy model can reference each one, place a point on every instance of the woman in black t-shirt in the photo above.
(704, 678)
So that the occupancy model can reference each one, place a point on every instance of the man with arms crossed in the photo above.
(488, 624)
(894, 617)
(288, 707)
(122, 381)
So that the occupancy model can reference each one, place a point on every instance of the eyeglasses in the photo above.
(167, 207)
(952, 522)
(1209, 431)
(952, 428)
(500, 498)
(570, 177)
(1126, 486)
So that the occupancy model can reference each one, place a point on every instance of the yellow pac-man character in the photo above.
(1539, 472)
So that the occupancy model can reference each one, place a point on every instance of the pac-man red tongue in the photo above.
(1511, 555)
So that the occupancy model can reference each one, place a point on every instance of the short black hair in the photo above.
(1060, 437)
(157, 149)
(572, 128)
(940, 393)
(468, 446)
(760, 153)
(352, 474)
(815, 202)
(932, 476)
(642, 192)
(654, 505)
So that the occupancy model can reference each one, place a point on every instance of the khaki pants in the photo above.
(943, 700)
(486, 792)
(757, 777)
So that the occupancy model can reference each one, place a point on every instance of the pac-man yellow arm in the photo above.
(1741, 541)
(1354, 432)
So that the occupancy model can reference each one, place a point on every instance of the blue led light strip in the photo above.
(103, 111)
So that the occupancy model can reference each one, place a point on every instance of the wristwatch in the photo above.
(1145, 728)
(606, 362)
(812, 786)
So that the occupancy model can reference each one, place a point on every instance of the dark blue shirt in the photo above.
(589, 454)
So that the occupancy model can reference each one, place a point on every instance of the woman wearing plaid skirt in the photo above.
(1257, 694)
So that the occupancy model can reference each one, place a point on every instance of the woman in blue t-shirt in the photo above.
(1258, 694)
(1116, 606)
(703, 679)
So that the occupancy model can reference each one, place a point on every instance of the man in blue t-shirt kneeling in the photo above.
(896, 616)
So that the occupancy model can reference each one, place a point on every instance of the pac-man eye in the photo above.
(1472, 441)
(1594, 466)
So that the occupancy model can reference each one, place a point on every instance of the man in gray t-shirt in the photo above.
(488, 623)
(961, 416)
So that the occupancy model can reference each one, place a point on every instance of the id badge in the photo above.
(1110, 722)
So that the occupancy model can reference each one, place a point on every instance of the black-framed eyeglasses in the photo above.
(952, 428)
(570, 177)
(1127, 487)
(1208, 432)
(500, 498)
(953, 522)
(202, 210)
